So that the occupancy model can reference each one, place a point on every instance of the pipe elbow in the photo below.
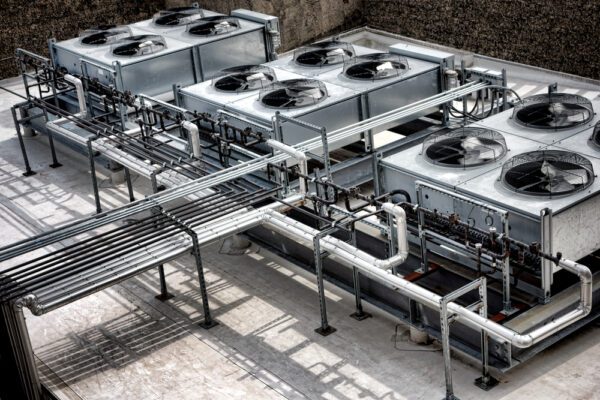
(193, 128)
(395, 210)
(29, 301)
(522, 341)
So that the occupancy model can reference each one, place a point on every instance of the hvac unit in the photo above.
(450, 158)
(546, 118)
(310, 100)
(230, 85)
(178, 46)
(220, 41)
(319, 58)
(385, 80)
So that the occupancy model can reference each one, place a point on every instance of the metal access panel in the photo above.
(248, 48)
(151, 74)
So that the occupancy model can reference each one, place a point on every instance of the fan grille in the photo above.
(465, 147)
(323, 54)
(371, 67)
(244, 78)
(553, 111)
(103, 35)
(177, 16)
(596, 135)
(547, 173)
(293, 93)
(212, 26)
(139, 45)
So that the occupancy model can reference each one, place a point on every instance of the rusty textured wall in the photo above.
(301, 21)
(559, 34)
(29, 24)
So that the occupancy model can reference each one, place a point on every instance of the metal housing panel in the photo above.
(245, 49)
(576, 231)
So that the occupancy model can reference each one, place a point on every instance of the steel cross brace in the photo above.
(208, 321)
(486, 381)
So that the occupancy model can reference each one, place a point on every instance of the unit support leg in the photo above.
(208, 321)
(28, 170)
(325, 329)
(94, 179)
(164, 291)
(129, 184)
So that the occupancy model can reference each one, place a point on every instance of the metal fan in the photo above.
(319, 58)
(563, 180)
(294, 93)
(212, 26)
(139, 45)
(478, 150)
(465, 147)
(548, 172)
(554, 111)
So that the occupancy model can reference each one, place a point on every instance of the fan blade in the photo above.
(561, 186)
(470, 158)
(258, 76)
(575, 176)
(481, 150)
(549, 170)
(471, 143)
(572, 176)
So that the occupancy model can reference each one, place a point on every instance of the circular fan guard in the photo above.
(553, 111)
(244, 78)
(547, 173)
(293, 93)
(139, 45)
(375, 66)
(596, 136)
(104, 34)
(212, 26)
(177, 16)
(464, 147)
(322, 54)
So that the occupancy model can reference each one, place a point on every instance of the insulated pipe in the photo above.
(372, 267)
(368, 265)
(298, 155)
(80, 94)
(201, 183)
(195, 137)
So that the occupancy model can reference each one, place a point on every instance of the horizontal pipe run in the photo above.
(70, 266)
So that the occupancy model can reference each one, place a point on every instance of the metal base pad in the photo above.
(360, 316)
(55, 165)
(325, 332)
(164, 297)
(486, 384)
(208, 325)
(29, 173)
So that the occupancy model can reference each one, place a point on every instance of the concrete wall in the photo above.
(302, 21)
(559, 35)
(29, 24)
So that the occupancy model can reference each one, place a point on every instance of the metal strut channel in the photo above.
(208, 321)
(486, 381)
